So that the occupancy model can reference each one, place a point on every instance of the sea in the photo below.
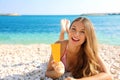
(45, 29)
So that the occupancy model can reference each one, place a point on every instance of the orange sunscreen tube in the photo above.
(56, 52)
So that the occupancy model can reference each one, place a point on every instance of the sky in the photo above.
(59, 7)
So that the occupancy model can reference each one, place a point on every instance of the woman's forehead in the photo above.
(78, 24)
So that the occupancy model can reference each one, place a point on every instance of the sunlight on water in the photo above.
(46, 29)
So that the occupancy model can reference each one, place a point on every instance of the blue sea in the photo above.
(37, 29)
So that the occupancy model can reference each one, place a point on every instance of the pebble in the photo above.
(29, 62)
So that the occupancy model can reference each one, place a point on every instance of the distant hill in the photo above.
(99, 14)
(10, 14)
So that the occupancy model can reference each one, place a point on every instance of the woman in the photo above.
(79, 54)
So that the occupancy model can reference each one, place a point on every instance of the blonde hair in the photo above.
(87, 63)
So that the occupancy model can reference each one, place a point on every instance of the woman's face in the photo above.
(77, 33)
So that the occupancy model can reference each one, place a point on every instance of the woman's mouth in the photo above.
(75, 39)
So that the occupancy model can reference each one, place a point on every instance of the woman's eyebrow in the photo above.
(73, 26)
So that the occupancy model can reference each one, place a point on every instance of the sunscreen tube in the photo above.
(56, 52)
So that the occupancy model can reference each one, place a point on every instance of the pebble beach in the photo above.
(29, 62)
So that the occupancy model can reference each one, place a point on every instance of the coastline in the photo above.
(29, 62)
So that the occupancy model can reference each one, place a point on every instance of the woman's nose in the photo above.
(77, 33)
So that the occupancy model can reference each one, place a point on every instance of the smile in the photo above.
(75, 39)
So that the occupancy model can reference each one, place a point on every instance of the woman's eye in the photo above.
(82, 31)
(73, 29)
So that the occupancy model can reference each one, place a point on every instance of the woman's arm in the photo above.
(102, 65)
(104, 75)
(100, 76)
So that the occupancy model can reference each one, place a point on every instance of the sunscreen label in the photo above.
(56, 52)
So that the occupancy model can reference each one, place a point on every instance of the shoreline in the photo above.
(29, 62)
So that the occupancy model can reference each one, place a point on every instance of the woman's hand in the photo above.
(70, 78)
(58, 67)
